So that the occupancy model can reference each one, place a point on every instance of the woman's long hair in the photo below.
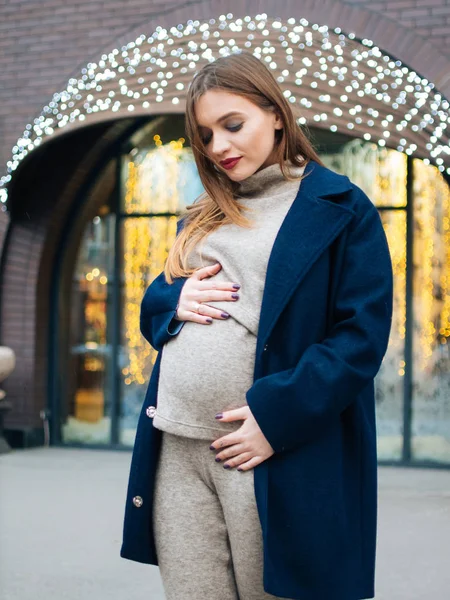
(245, 75)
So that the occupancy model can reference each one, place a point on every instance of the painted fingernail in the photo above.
(226, 466)
(218, 459)
(225, 315)
(236, 286)
(239, 469)
(219, 415)
(211, 448)
(209, 320)
(235, 296)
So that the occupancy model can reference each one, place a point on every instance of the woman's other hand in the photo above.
(198, 290)
(244, 448)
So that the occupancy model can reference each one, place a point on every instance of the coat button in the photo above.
(137, 501)
(150, 411)
(265, 347)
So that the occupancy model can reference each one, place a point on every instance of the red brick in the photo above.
(415, 13)
(440, 31)
(427, 21)
(400, 4)
(377, 6)
(441, 10)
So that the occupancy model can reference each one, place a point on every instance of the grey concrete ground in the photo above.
(61, 516)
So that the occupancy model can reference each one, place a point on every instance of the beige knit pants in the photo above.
(207, 530)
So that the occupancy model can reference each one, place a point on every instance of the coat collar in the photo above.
(310, 226)
(323, 182)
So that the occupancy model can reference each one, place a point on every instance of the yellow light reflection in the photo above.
(149, 188)
(431, 259)
(379, 172)
(153, 178)
(394, 224)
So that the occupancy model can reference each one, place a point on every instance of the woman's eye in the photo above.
(230, 128)
(235, 127)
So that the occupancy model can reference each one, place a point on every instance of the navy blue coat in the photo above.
(324, 328)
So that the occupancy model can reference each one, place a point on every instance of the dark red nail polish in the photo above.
(218, 459)
(225, 315)
(219, 415)
(226, 466)
(235, 296)
(209, 320)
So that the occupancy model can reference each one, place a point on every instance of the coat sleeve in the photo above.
(294, 406)
(158, 307)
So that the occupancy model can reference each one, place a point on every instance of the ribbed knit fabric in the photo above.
(206, 369)
(207, 530)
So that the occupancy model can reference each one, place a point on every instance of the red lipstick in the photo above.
(229, 163)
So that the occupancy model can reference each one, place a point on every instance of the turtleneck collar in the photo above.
(266, 181)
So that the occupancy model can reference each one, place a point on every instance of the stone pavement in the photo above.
(61, 516)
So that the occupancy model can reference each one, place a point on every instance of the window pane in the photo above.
(431, 306)
(87, 379)
(379, 172)
(389, 380)
(146, 242)
(160, 180)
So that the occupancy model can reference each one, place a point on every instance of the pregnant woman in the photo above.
(254, 469)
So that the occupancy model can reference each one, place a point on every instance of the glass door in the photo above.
(88, 382)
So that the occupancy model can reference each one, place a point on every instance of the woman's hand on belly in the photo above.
(244, 448)
(198, 290)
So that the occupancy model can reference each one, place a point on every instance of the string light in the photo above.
(319, 69)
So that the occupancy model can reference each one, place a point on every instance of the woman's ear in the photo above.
(278, 121)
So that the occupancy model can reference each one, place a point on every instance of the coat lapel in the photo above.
(310, 226)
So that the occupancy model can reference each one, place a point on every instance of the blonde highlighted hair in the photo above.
(245, 75)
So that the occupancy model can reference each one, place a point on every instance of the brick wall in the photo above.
(429, 18)
(43, 43)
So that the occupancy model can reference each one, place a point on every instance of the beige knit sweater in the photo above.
(206, 369)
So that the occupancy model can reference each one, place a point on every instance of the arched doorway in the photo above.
(107, 260)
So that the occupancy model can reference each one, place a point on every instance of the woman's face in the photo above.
(248, 133)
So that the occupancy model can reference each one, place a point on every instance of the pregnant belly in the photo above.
(204, 370)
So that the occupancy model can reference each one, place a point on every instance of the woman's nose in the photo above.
(220, 146)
